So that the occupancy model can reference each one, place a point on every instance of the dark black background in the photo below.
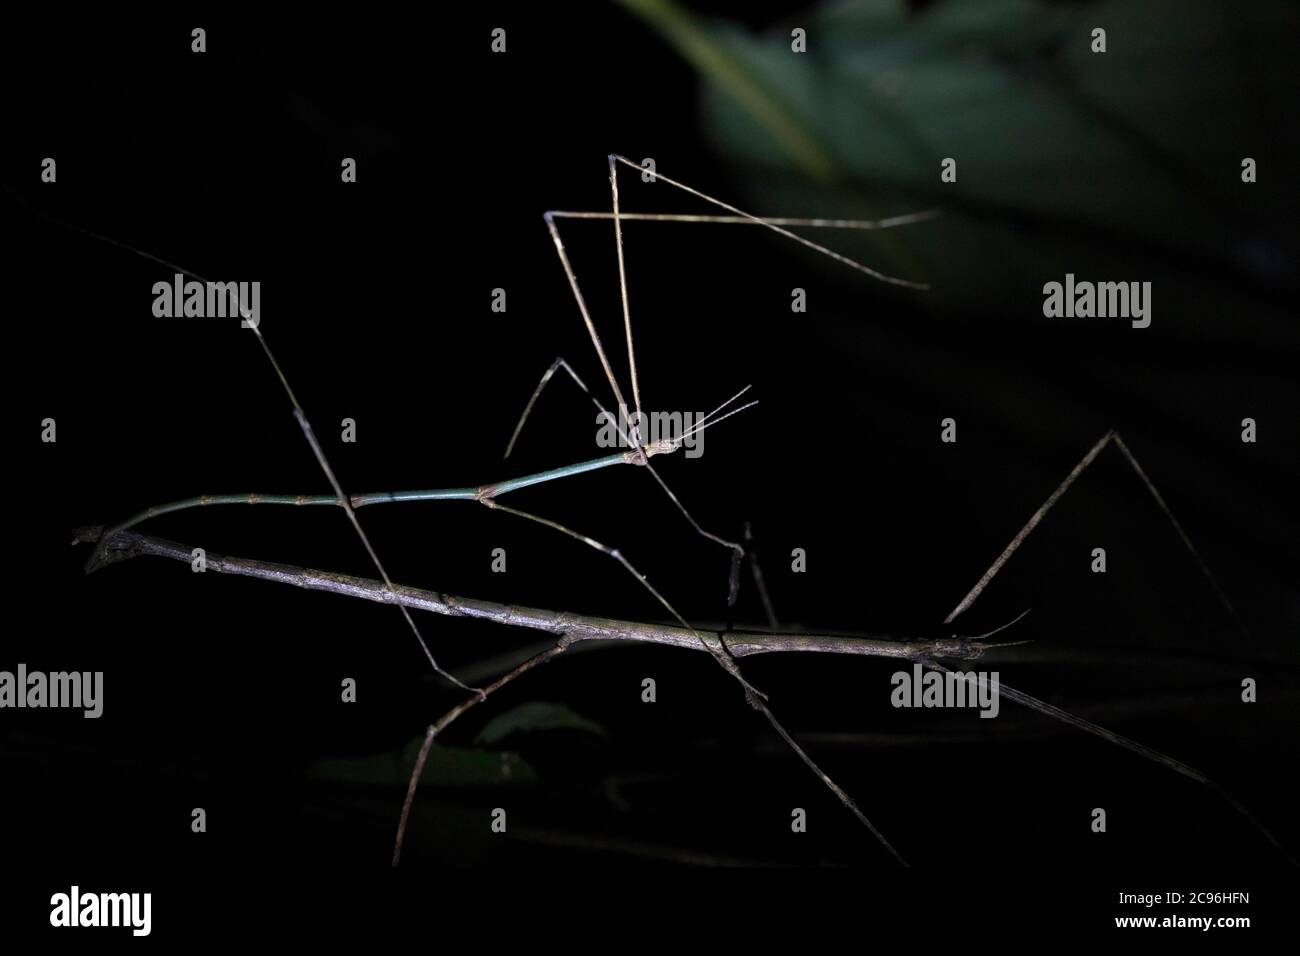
(222, 693)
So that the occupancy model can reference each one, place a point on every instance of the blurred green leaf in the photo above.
(445, 767)
(1137, 149)
(535, 717)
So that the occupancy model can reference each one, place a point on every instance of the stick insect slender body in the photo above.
(640, 454)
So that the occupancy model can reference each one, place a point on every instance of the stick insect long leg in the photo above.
(754, 696)
(736, 216)
(737, 550)
(1034, 703)
(723, 658)
(1022, 698)
(1055, 496)
(304, 425)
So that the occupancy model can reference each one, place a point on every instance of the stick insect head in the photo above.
(666, 446)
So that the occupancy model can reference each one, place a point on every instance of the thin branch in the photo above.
(129, 544)
(571, 628)
(574, 628)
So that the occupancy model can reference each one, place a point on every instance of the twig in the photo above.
(121, 545)
(129, 544)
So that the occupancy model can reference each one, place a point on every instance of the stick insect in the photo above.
(640, 454)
